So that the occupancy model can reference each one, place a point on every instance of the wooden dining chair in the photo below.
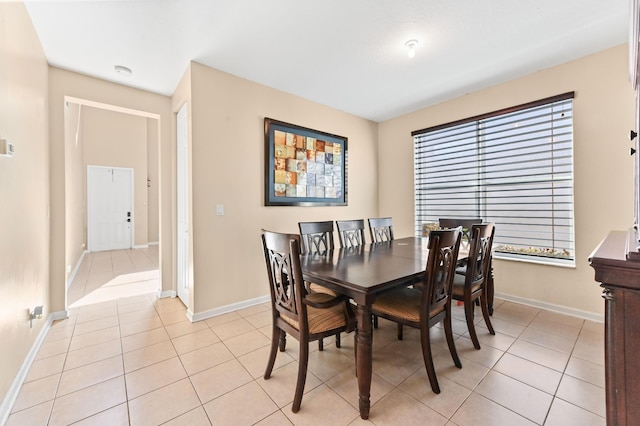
(471, 286)
(351, 233)
(447, 223)
(293, 312)
(381, 229)
(317, 238)
(424, 309)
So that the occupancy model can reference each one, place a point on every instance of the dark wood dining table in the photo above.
(362, 273)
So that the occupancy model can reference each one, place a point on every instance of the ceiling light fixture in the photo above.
(123, 70)
(411, 45)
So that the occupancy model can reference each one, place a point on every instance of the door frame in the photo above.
(90, 243)
(183, 210)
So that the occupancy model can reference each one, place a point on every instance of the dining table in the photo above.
(362, 273)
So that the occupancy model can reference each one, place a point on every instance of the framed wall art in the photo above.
(303, 167)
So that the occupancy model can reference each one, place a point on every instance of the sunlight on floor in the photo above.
(126, 285)
(110, 275)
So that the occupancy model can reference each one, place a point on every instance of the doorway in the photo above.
(182, 178)
(127, 142)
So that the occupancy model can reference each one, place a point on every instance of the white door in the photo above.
(182, 171)
(109, 208)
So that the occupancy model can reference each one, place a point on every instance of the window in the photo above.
(512, 167)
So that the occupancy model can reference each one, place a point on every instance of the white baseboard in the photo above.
(591, 316)
(154, 243)
(72, 276)
(167, 293)
(141, 246)
(226, 309)
(14, 389)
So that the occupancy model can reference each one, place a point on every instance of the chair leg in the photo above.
(400, 335)
(375, 321)
(485, 313)
(448, 332)
(320, 345)
(283, 341)
(355, 348)
(468, 313)
(276, 335)
(338, 340)
(428, 359)
(303, 360)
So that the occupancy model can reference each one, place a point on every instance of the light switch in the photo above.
(220, 209)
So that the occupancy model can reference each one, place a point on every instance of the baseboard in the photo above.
(551, 307)
(72, 276)
(141, 246)
(167, 293)
(227, 308)
(14, 389)
(154, 243)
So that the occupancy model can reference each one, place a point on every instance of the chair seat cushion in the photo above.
(458, 286)
(321, 320)
(403, 303)
(461, 270)
(317, 288)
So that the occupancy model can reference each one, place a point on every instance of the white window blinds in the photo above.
(512, 167)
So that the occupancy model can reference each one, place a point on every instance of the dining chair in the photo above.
(446, 223)
(351, 233)
(423, 309)
(471, 286)
(292, 311)
(317, 238)
(381, 229)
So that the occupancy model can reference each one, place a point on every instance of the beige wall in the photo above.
(228, 168)
(121, 98)
(603, 116)
(153, 221)
(120, 140)
(75, 188)
(24, 189)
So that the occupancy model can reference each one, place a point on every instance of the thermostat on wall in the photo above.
(6, 148)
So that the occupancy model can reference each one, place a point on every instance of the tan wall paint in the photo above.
(75, 187)
(24, 192)
(66, 83)
(603, 116)
(228, 168)
(153, 221)
(115, 139)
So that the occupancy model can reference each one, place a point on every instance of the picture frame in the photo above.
(303, 167)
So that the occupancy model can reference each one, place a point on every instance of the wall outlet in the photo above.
(68, 268)
(6, 148)
(220, 209)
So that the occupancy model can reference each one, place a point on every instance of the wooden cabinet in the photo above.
(620, 278)
(617, 264)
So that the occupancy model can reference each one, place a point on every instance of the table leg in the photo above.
(490, 288)
(364, 354)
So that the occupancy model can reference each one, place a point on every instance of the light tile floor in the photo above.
(138, 360)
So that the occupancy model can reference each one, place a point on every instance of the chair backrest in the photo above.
(479, 260)
(317, 237)
(466, 224)
(351, 233)
(282, 255)
(381, 229)
(440, 271)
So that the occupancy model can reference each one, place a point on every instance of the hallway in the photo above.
(109, 275)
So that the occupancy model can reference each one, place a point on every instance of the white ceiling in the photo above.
(347, 54)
